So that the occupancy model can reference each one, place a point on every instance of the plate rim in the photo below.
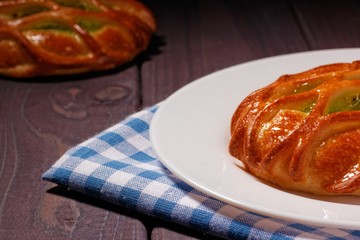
(314, 221)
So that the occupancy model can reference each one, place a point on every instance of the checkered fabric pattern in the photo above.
(119, 166)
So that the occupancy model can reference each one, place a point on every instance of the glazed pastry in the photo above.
(51, 37)
(302, 131)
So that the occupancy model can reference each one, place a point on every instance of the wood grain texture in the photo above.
(39, 122)
(202, 36)
(41, 118)
(329, 24)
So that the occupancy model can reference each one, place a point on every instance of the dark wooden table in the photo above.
(42, 118)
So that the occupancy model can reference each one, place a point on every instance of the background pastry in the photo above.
(65, 36)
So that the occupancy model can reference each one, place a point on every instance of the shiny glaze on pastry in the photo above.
(302, 132)
(48, 37)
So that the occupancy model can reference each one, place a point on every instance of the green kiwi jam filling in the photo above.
(348, 101)
(50, 24)
(20, 11)
(89, 25)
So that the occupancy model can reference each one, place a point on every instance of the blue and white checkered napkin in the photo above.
(119, 166)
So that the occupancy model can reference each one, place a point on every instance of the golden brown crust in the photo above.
(302, 131)
(64, 36)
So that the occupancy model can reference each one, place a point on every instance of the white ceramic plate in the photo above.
(190, 134)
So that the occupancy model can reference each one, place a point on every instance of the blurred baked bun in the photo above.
(302, 132)
(51, 37)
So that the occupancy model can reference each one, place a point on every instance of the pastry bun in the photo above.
(302, 132)
(51, 37)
